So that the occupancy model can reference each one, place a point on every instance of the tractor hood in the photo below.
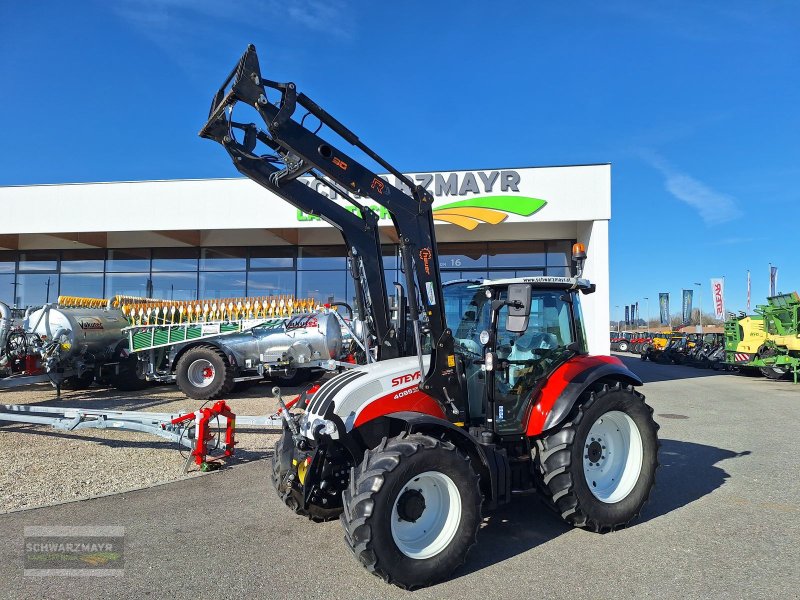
(367, 392)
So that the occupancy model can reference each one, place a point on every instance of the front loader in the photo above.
(500, 397)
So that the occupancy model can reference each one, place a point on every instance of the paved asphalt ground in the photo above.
(723, 522)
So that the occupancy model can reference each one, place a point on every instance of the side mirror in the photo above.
(519, 307)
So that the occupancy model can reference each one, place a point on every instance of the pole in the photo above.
(700, 293)
(648, 313)
(618, 329)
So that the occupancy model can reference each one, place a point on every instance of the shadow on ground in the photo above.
(688, 473)
(241, 455)
(651, 372)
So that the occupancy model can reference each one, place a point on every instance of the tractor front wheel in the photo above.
(598, 469)
(412, 510)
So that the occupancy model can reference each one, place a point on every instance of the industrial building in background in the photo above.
(189, 239)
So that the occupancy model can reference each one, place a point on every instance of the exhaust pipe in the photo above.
(5, 325)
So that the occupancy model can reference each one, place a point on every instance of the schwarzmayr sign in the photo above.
(488, 197)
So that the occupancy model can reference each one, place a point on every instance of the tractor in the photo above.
(499, 396)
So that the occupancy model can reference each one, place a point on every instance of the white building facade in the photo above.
(189, 239)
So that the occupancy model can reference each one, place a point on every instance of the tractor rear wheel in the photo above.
(598, 469)
(204, 373)
(412, 510)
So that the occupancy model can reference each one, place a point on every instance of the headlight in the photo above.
(329, 428)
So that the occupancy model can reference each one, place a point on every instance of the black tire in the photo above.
(369, 508)
(78, 382)
(644, 355)
(220, 381)
(292, 378)
(622, 346)
(129, 376)
(560, 462)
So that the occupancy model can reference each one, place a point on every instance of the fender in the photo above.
(568, 382)
(179, 350)
(490, 462)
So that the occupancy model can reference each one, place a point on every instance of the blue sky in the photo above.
(694, 103)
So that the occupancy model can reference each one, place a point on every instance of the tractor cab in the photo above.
(511, 334)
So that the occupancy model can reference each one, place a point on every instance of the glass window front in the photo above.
(517, 254)
(8, 261)
(135, 260)
(322, 257)
(212, 259)
(175, 259)
(36, 289)
(187, 273)
(127, 284)
(82, 261)
(462, 256)
(88, 285)
(272, 257)
(175, 286)
(7, 288)
(38, 261)
(223, 284)
(270, 283)
(323, 286)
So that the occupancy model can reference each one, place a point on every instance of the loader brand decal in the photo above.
(340, 163)
(407, 378)
(486, 196)
(90, 323)
(379, 185)
(425, 256)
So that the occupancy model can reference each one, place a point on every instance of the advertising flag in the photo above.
(773, 280)
(627, 315)
(748, 291)
(663, 306)
(718, 297)
(686, 313)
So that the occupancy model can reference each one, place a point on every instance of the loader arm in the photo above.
(360, 234)
(303, 151)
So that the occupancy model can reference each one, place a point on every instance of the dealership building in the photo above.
(217, 238)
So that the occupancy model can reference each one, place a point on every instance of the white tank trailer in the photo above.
(68, 347)
(289, 351)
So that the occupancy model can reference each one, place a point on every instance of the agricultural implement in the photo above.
(408, 451)
(68, 344)
(211, 347)
(768, 341)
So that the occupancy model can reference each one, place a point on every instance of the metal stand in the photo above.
(190, 430)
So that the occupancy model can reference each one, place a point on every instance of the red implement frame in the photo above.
(203, 437)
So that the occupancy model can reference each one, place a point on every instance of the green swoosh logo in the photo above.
(518, 205)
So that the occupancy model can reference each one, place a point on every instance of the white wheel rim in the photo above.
(436, 527)
(612, 457)
(200, 373)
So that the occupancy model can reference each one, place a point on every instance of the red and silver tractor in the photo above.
(498, 396)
